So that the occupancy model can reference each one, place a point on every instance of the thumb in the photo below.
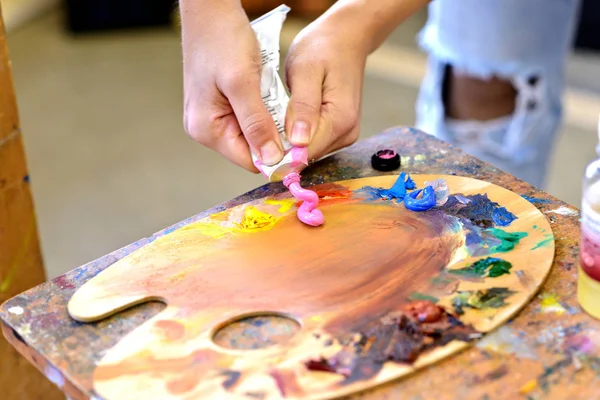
(256, 123)
(304, 109)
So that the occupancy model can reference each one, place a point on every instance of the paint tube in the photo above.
(268, 32)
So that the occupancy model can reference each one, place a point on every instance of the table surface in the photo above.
(551, 350)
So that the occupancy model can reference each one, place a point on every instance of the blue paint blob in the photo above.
(410, 184)
(424, 203)
(503, 217)
(26, 179)
(479, 210)
(396, 192)
(535, 200)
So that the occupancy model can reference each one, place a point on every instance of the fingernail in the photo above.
(270, 153)
(300, 133)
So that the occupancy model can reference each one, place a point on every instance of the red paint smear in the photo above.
(191, 369)
(579, 344)
(286, 383)
(171, 330)
(63, 282)
(333, 190)
(183, 385)
(423, 311)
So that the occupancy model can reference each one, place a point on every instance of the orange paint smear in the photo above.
(170, 330)
(289, 267)
(332, 193)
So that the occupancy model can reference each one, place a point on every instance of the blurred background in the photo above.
(99, 87)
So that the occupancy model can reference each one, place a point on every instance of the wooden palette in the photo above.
(368, 258)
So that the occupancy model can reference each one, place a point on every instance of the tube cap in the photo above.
(588, 294)
(385, 160)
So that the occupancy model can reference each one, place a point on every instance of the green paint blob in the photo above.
(481, 299)
(487, 267)
(508, 240)
(543, 243)
(421, 296)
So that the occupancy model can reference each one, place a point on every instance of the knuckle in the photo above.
(349, 122)
(256, 127)
(238, 78)
(195, 128)
(302, 106)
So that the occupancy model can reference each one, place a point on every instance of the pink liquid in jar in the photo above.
(590, 235)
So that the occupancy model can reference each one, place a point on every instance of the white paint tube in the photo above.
(268, 32)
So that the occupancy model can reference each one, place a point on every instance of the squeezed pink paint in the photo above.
(307, 212)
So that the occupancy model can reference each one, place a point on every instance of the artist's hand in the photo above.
(324, 71)
(223, 108)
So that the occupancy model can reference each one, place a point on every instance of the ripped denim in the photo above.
(523, 41)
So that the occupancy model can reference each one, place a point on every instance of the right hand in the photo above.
(223, 108)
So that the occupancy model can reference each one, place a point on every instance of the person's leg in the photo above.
(495, 78)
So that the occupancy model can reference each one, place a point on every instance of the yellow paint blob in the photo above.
(528, 387)
(256, 220)
(285, 205)
(551, 304)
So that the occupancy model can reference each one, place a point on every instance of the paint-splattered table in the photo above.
(551, 350)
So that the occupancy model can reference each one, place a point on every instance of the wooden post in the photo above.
(21, 265)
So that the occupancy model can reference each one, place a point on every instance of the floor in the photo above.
(108, 157)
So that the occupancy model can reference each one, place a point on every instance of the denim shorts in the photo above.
(524, 41)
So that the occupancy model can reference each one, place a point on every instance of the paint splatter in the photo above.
(551, 304)
(581, 345)
(505, 340)
(481, 299)
(419, 158)
(480, 210)
(232, 378)
(544, 243)
(536, 200)
(525, 279)
(16, 310)
(54, 376)
(562, 210)
(487, 267)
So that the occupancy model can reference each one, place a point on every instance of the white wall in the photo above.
(17, 12)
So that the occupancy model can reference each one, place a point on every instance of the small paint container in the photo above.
(385, 160)
(588, 284)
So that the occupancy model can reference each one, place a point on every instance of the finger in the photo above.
(338, 128)
(232, 144)
(255, 122)
(304, 109)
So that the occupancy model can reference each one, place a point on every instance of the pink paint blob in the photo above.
(386, 154)
(308, 212)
